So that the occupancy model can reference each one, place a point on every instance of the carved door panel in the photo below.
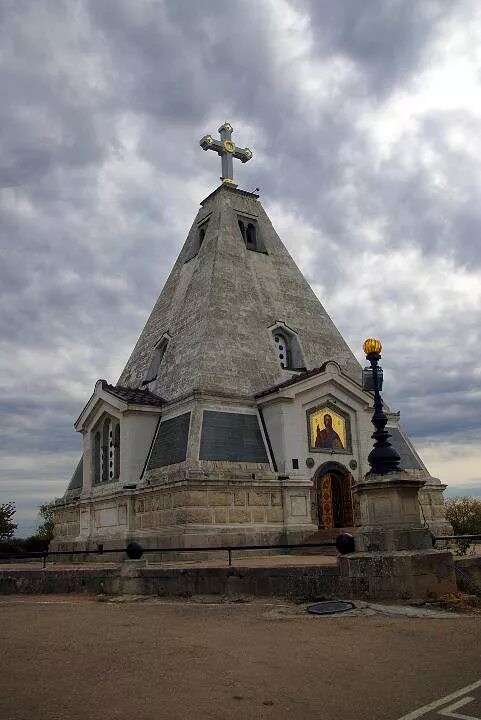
(326, 501)
(337, 495)
(348, 502)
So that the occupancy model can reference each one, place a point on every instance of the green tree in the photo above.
(46, 527)
(464, 514)
(7, 526)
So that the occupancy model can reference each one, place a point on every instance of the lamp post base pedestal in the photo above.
(400, 575)
(394, 556)
(390, 513)
(394, 539)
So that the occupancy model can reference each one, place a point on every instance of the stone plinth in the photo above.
(390, 513)
(403, 575)
(394, 556)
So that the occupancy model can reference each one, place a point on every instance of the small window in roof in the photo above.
(282, 343)
(250, 234)
(201, 231)
(157, 357)
(242, 229)
(198, 238)
(288, 349)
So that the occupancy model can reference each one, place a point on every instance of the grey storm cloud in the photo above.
(388, 38)
(103, 105)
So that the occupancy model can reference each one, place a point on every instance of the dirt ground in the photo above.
(66, 658)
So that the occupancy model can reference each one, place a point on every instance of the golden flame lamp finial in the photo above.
(371, 345)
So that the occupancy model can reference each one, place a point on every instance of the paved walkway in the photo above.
(75, 658)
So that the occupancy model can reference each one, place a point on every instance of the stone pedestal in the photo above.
(390, 513)
(403, 575)
(394, 557)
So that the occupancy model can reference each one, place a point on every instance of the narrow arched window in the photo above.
(117, 451)
(251, 236)
(105, 449)
(201, 237)
(97, 457)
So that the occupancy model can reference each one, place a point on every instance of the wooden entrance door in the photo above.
(334, 498)
(337, 495)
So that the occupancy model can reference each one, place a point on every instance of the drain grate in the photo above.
(329, 607)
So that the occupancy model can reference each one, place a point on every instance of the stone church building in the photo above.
(240, 416)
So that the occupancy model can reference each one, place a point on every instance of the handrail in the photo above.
(44, 554)
(342, 548)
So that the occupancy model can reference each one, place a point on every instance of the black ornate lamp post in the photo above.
(383, 458)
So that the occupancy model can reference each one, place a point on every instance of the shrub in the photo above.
(464, 514)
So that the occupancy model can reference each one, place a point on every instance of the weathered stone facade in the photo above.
(213, 448)
(67, 521)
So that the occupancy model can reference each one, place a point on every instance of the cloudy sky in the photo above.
(364, 119)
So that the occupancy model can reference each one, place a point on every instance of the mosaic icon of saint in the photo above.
(327, 437)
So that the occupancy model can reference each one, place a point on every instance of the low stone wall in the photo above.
(38, 582)
(471, 568)
(308, 582)
(400, 576)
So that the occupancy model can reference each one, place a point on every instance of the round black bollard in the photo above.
(134, 551)
(345, 543)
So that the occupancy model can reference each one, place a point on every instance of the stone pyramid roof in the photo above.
(220, 303)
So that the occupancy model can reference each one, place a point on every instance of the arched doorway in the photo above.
(332, 502)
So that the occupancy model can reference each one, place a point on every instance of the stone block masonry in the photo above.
(67, 521)
(182, 512)
(154, 508)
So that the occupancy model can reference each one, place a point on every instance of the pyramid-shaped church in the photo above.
(240, 417)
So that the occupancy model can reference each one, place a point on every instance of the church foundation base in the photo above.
(179, 543)
(187, 513)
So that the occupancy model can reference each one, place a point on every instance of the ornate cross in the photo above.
(227, 150)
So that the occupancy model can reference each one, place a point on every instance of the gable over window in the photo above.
(157, 357)
(287, 347)
(249, 231)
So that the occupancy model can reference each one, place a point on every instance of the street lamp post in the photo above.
(383, 458)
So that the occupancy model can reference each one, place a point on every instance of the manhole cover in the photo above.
(328, 607)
